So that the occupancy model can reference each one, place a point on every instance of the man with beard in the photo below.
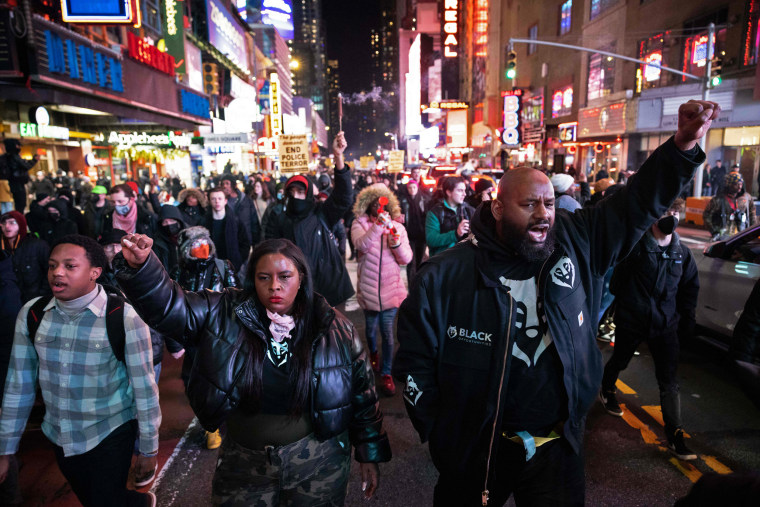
(497, 337)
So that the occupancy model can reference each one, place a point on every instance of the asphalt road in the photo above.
(626, 460)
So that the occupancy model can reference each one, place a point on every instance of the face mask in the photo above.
(201, 251)
(299, 207)
(171, 229)
(667, 224)
(122, 210)
(54, 216)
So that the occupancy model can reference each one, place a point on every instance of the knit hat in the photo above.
(186, 238)
(298, 178)
(561, 182)
(20, 220)
(111, 237)
(99, 189)
(733, 178)
(482, 185)
(134, 187)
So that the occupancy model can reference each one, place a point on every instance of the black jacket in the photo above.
(50, 230)
(95, 218)
(343, 394)
(246, 214)
(452, 385)
(10, 304)
(413, 209)
(656, 291)
(30, 265)
(746, 343)
(236, 240)
(312, 234)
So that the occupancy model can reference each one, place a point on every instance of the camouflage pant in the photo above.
(304, 473)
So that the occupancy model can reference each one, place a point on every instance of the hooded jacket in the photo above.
(379, 284)
(343, 395)
(310, 229)
(199, 274)
(165, 248)
(53, 230)
(195, 214)
(656, 291)
(30, 261)
(456, 327)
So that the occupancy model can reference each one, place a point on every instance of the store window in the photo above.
(696, 50)
(152, 15)
(652, 51)
(601, 75)
(565, 12)
(599, 6)
(562, 101)
(532, 34)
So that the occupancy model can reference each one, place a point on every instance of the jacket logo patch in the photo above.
(412, 393)
(580, 319)
(563, 273)
(466, 335)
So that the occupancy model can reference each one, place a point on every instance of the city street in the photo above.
(626, 460)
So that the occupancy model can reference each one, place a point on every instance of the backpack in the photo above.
(117, 335)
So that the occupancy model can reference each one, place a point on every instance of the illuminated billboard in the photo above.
(226, 35)
(279, 14)
(101, 11)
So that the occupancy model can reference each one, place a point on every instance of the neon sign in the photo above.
(450, 28)
(274, 96)
(102, 11)
(150, 55)
(653, 73)
(279, 13)
(511, 134)
(481, 28)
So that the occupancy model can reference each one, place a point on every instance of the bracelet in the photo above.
(149, 454)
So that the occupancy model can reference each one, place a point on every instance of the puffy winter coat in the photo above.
(379, 285)
(343, 395)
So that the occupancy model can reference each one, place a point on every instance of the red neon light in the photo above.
(149, 55)
(516, 92)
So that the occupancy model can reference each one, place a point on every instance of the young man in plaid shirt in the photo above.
(94, 402)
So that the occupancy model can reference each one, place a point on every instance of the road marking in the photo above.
(655, 412)
(636, 423)
(716, 465)
(177, 450)
(687, 469)
(624, 388)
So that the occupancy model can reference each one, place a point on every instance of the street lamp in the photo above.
(395, 139)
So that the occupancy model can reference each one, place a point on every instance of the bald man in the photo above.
(497, 337)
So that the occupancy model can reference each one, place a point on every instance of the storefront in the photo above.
(222, 150)
(734, 137)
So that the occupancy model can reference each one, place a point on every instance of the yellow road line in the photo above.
(655, 412)
(687, 469)
(716, 465)
(636, 423)
(623, 387)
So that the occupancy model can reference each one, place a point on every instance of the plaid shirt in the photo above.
(88, 393)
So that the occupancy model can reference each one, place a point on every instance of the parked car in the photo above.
(728, 270)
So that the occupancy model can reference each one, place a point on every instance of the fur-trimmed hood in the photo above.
(186, 238)
(372, 192)
(201, 196)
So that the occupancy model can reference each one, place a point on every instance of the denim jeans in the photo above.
(5, 207)
(386, 318)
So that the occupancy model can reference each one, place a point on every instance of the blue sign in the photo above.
(225, 34)
(278, 13)
(192, 103)
(97, 69)
(96, 11)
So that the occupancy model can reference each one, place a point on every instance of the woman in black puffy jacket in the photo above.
(285, 371)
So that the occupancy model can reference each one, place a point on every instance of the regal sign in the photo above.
(451, 28)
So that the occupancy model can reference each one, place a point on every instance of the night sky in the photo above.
(348, 23)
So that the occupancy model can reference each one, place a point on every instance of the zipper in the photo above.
(484, 495)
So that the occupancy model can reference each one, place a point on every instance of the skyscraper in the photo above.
(308, 50)
(333, 88)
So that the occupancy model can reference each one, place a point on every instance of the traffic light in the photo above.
(511, 65)
(715, 71)
(210, 79)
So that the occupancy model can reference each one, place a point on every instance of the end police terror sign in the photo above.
(294, 153)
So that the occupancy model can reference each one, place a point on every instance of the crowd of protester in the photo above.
(247, 278)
